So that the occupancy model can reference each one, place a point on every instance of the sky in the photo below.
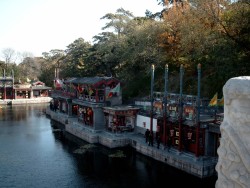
(37, 26)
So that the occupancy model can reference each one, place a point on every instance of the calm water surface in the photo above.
(34, 154)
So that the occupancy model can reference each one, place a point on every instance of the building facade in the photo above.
(95, 101)
(10, 90)
(178, 123)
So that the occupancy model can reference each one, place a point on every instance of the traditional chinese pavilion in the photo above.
(85, 98)
(120, 118)
(180, 124)
(9, 90)
(6, 86)
(31, 90)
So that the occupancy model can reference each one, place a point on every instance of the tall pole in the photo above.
(12, 73)
(198, 110)
(180, 108)
(13, 81)
(165, 103)
(55, 73)
(4, 97)
(152, 98)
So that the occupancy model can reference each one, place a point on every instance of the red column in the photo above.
(165, 129)
(180, 133)
(197, 140)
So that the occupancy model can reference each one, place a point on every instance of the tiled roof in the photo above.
(40, 87)
(89, 80)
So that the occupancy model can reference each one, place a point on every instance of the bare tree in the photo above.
(21, 56)
(9, 56)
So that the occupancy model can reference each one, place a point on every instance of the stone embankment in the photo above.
(201, 167)
(25, 101)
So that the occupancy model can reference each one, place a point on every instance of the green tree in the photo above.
(213, 33)
(74, 61)
(51, 66)
(118, 21)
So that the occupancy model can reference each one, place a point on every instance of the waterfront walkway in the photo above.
(201, 167)
(25, 101)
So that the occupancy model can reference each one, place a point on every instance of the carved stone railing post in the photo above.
(233, 165)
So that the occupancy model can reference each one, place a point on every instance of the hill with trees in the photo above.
(215, 34)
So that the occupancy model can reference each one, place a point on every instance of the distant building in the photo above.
(9, 90)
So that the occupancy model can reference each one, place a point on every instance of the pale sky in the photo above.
(38, 26)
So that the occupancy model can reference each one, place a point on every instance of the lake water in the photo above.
(34, 154)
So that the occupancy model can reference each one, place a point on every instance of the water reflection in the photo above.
(35, 153)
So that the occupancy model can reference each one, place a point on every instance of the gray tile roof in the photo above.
(89, 80)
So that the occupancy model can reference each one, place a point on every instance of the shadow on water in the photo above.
(124, 167)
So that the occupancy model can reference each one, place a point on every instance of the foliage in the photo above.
(212, 33)
(73, 64)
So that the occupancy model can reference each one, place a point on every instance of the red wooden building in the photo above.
(181, 126)
(31, 90)
(85, 97)
(6, 86)
(10, 90)
(120, 118)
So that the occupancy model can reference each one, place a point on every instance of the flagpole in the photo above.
(152, 99)
(198, 111)
(165, 103)
(180, 107)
